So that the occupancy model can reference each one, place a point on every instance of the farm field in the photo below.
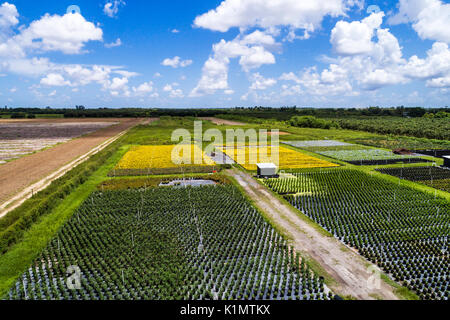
(168, 243)
(371, 157)
(354, 154)
(435, 177)
(377, 140)
(437, 153)
(384, 132)
(223, 122)
(110, 212)
(225, 159)
(248, 156)
(312, 144)
(399, 142)
(21, 173)
(402, 230)
(418, 127)
(146, 160)
(126, 183)
(19, 139)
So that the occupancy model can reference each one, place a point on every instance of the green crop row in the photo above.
(402, 230)
(169, 243)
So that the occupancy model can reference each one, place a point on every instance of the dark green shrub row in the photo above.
(435, 128)
(197, 243)
(312, 122)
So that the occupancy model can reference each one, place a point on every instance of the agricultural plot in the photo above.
(402, 230)
(317, 143)
(148, 160)
(153, 182)
(319, 146)
(19, 139)
(169, 243)
(396, 142)
(437, 153)
(370, 157)
(248, 156)
(435, 177)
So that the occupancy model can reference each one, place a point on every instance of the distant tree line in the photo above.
(312, 122)
(259, 112)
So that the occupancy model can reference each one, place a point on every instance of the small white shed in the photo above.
(447, 161)
(267, 169)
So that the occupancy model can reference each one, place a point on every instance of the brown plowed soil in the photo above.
(21, 173)
(61, 120)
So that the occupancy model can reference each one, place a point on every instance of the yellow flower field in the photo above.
(160, 157)
(249, 156)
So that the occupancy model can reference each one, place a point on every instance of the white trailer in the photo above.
(267, 170)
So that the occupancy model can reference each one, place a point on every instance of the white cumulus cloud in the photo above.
(261, 83)
(252, 51)
(429, 18)
(8, 16)
(144, 88)
(435, 68)
(173, 92)
(176, 62)
(307, 15)
(114, 44)
(350, 38)
(68, 34)
(54, 80)
(111, 8)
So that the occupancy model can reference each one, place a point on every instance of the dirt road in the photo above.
(41, 168)
(347, 267)
(220, 122)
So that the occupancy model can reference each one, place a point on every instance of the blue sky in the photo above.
(328, 53)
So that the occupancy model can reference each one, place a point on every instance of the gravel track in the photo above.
(344, 265)
(220, 122)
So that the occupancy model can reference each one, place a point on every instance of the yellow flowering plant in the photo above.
(284, 158)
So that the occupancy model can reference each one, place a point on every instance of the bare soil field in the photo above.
(19, 174)
(345, 266)
(61, 120)
(21, 138)
(220, 122)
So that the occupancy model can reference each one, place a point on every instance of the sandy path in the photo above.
(220, 122)
(348, 268)
(21, 177)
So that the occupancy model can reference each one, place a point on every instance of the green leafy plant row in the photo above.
(169, 243)
(402, 230)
